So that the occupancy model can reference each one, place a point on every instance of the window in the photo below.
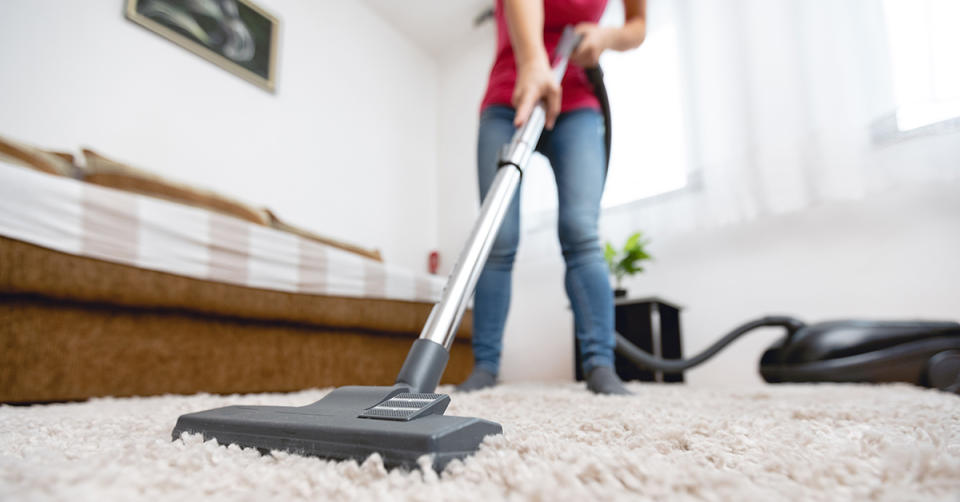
(649, 144)
(649, 152)
(924, 45)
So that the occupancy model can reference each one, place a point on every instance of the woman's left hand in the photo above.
(587, 54)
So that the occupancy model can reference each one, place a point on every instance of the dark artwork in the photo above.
(235, 30)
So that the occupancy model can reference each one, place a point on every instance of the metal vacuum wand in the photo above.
(422, 369)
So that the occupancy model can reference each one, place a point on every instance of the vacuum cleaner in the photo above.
(405, 421)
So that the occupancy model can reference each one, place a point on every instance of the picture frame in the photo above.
(236, 35)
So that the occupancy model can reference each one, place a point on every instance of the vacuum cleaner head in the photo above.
(921, 352)
(350, 423)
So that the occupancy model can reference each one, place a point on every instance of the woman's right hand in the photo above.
(534, 83)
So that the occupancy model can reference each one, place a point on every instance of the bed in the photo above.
(108, 292)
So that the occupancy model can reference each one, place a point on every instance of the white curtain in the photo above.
(780, 96)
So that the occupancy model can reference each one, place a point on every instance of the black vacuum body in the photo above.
(924, 353)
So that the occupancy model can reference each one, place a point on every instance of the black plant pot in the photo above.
(619, 293)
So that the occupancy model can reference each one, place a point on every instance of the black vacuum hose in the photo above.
(646, 360)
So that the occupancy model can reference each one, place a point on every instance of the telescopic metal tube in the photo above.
(446, 315)
(424, 365)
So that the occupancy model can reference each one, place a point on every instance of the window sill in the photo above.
(694, 184)
(546, 219)
(886, 130)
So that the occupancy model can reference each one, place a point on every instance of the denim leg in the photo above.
(578, 157)
(492, 300)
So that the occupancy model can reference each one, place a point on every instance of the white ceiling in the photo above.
(434, 25)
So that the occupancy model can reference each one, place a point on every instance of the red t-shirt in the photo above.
(577, 91)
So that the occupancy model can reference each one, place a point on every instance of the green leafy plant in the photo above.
(627, 261)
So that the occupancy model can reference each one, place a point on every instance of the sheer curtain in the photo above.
(780, 95)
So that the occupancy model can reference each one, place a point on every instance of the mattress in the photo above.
(86, 220)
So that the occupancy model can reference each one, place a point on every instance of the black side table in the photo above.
(653, 325)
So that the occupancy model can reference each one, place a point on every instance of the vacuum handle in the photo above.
(569, 41)
(525, 139)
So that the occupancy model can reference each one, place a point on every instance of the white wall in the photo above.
(346, 146)
(462, 81)
(890, 255)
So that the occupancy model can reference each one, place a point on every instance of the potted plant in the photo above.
(627, 261)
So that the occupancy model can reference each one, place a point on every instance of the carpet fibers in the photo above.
(667, 442)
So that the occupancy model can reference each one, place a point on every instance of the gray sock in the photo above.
(478, 379)
(603, 380)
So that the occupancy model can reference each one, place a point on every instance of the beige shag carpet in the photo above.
(824, 442)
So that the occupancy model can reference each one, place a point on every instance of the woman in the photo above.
(527, 31)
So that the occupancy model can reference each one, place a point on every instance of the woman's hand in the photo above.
(534, 83)
(595, 40)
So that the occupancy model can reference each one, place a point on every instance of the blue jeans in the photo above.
(577, 155)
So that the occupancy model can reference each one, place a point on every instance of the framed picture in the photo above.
(234, 34)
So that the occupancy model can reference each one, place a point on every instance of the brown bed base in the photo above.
(74, 327)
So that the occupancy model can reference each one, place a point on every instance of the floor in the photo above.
(667, 442)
